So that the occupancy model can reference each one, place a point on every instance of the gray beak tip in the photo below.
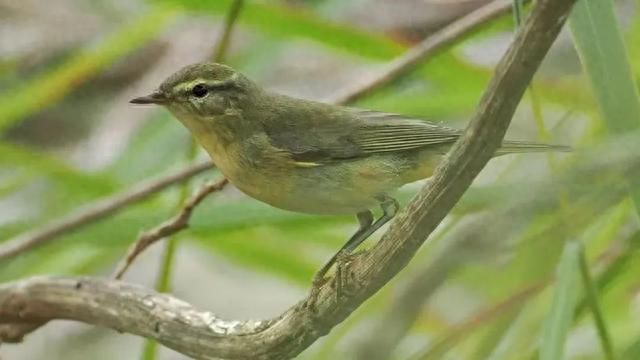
(154, 98)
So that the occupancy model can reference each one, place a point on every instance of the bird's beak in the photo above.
(157, 98)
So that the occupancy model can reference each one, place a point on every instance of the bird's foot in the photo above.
(343, 283)
(318, 281)
(345, 278)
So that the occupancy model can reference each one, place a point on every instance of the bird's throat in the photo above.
(216, 140)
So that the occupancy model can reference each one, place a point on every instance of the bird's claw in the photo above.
(343, 282)
(344, 276)
(318, 281)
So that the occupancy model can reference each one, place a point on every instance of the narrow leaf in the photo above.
(595, 307)
(600, 44)
(45, 89)
(560, 318)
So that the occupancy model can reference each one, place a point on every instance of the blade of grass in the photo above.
(483, 317)
(43, 90)
(560, 318)
(282, 21)
(595, 307)
(41, 164)
(601, 48)
(632, 352)
(495, 336)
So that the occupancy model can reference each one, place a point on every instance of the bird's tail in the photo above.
(514, 147)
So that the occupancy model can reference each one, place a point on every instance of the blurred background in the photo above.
(500, 278)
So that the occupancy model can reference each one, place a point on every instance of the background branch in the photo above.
(427, 48)
(203, 335)
(223, 43)
(469, 242)
(103, 208)
(169, 227)
(95, 211)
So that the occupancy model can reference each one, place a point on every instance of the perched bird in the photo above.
(308, 156)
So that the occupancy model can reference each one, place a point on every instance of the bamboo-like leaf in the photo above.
(632, 352)
(42, 164)
(560, 317)
(604, 57)
(278, 20)
(42, 90)
(603, 54)
(595, 306)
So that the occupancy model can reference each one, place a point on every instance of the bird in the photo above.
(308, 156)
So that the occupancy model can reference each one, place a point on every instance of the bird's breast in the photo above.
(253, 166)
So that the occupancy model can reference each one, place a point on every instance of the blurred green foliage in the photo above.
(554, 207)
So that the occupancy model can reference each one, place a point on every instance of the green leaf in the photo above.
(560, 318)
(154, 149)
(45, 89)
(603, 54)
(282, 21)
(595, 306)
(88, 250)
(38, 163)
(632, 352)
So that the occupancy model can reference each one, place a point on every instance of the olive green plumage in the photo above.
(303, 155)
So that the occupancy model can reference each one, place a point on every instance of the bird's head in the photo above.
(201, 91)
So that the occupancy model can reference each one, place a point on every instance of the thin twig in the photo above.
(203, 335)
(429, 47)
(225, 39)
(96, 211)
(480, 318)
(169, 227)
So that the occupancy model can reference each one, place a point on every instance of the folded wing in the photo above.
(359, 133)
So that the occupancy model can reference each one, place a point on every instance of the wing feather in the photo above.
(354, 133)
(385, 132)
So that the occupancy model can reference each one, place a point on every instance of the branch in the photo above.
(221, 46)
(171, 226)
(429, 47)
(512, 303)
(469, 242)
(179, 326)
(412, 58)
(95, 211)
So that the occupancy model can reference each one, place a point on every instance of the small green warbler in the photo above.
(308, 156)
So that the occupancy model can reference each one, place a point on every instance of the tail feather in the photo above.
(515, 147)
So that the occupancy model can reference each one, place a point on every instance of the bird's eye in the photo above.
(200, 90)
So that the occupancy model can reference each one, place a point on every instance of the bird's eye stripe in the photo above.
(225, 85)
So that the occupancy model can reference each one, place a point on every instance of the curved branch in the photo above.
(430, 46)
(103, 208)
(97, 210)
(177, 223)
(179, 326)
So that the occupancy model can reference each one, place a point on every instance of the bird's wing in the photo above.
(358, 133)
(385, 132)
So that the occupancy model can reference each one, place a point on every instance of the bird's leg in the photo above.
(390, 208)
(365, 218)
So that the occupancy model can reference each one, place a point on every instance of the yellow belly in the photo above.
(341, 187)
